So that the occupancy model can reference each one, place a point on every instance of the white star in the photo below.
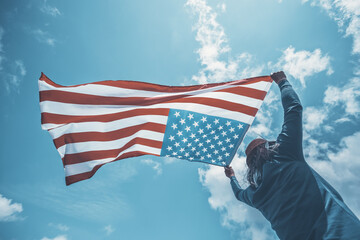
(197, 153)
(182, 121)
(190, 116)
(227, 154)
(196, 124)
(223, 133)
(177, 144)
(228, 123)
(189, 144)
(204, 136)
(223, 149)
(216, 137)
(236, 136)
(208, 155)
(223, 163)
(196, 140)
(204, 149)
(212, 146)
(179, 133)
(208, 126)
(193, 149)
(201, 131)
(231, 145)
(192, 135)
(220, 128)
(167, 155)
(171, 138)
(182, 149)
(219, 158)
(203, 119)
(208, 141)
(219, 143)
(216, 152)
(191, 158)
(200, 144)
(169, 148)
(216, 121)
(212, 132)
(231, 129)
(184, 140)
(187, 128)
(174, 153)
(227, 140)
(240, 126)
(174, 126)
(179, 156)
(202, 158)
(186, 154)
(213, 161)
(177, 114)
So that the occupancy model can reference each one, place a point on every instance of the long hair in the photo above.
(258, 157)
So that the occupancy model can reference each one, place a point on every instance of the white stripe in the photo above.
(106, 126)
(80, 147)
(81, 110)
(108, 91)
(78, 168)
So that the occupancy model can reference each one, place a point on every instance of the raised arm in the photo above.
(290, 138)
(239, 193)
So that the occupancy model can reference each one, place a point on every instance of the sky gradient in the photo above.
(316, 43)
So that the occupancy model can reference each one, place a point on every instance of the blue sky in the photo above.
(316, 43)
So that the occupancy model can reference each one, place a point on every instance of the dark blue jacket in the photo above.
(296, 200)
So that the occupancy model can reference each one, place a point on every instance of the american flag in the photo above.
(97, 123)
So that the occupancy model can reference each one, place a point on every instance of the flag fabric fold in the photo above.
(97, 123)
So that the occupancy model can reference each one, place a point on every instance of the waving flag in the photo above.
(97, 123)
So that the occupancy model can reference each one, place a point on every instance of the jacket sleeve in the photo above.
(290, 138)
(240, 193)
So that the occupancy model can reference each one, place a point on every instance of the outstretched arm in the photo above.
(290, 138)
(240, 194)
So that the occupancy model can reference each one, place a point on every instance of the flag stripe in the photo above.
(108, 91)
(82, 176)
(112, 153)
(74, 137)
(64, 119)
(97, 145)
(106, 126)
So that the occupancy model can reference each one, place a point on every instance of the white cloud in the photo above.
(346, 96)
(9, 211)
(303, 64)
(155, 165)
(44, 37)
(313, 117)
(346, 13)
(213, 41)
(342, 170)
(60, 237)
(46, 8)
(222, 7)
(59, 226)
(109, 229)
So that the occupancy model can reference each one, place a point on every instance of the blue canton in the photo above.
(202, 138)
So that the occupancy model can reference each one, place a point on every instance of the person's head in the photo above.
(257, 153)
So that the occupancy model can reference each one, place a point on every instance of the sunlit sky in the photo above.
(316, 43)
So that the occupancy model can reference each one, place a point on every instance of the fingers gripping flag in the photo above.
(96, 123)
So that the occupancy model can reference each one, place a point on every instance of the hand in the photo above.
(229, 172)
(278, 76)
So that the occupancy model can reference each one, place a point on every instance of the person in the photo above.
(292, 196)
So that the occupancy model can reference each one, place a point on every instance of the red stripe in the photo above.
(236, 107)
(80, 98)
(107, 136)
(101, 154)
(82, 176)
(63, 119)
(247, 92)
(160, 88)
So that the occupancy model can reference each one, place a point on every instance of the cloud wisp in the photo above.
(47, 9)
(59, 237)
(9, 211)
(109, 230)
(303, 64)
(44, 37)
